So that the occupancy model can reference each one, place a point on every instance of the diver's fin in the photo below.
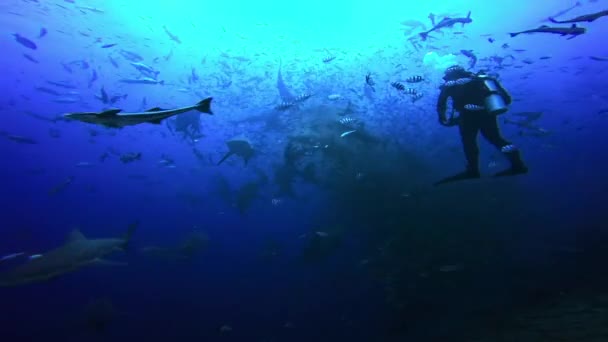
(512, 171)
(205, 106)
(468, 174)
(225, 157)
(110, 112)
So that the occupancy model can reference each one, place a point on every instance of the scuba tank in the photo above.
(494, 102)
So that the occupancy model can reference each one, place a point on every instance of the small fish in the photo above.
(103, 97)
(398, 86)
(297, 100)
(113, 62)
(80, 63)
(30, 58)
(106, 46)
(145, 80)
(284, 106)
(66, 99)
(347, 120)
(61, 186)
(146, 70)
(599, 58)
(42, 33)
(505, 46)
(416, 97)
(67, 68)
(334, 97)
(25, 42)
(328, 59)
(35, 256)
(171, 35)
(370, 81)
(132, 56)
(92, 9)
(21, 140)
(347, 133)
(414, 79)
(48, 91)
(93, 78)
(410, 91)
(491, 40)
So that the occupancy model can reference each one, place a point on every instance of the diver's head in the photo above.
(455, 72)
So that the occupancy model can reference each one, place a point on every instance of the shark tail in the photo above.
(205, 106)
(130, 231)
(225, 157)
(424, 35)
(468, 15)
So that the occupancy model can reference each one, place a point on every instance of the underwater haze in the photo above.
(293, 171)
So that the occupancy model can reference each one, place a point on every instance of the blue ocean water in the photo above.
(323, 224)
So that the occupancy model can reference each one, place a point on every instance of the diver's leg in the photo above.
(468, 135)
(490, 131)
(469, 128)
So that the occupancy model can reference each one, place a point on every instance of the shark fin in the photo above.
(110, 112)
(103, 262)
(155, 109)
(225, 157)
(75, 235)
(204, 106)
(156, 121)
(129, 234)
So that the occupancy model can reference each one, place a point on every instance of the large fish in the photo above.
(77, 252)
(112, 118)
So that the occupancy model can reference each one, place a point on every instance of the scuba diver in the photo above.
(478, 98)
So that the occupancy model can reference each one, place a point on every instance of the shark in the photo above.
(77, 252)
(589, 18)
(572, 31)
(240, 147)
(114, 118)
(447, 22)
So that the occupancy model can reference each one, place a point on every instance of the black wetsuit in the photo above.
(472, 122)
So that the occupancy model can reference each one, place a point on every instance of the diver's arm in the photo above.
(442, 105)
